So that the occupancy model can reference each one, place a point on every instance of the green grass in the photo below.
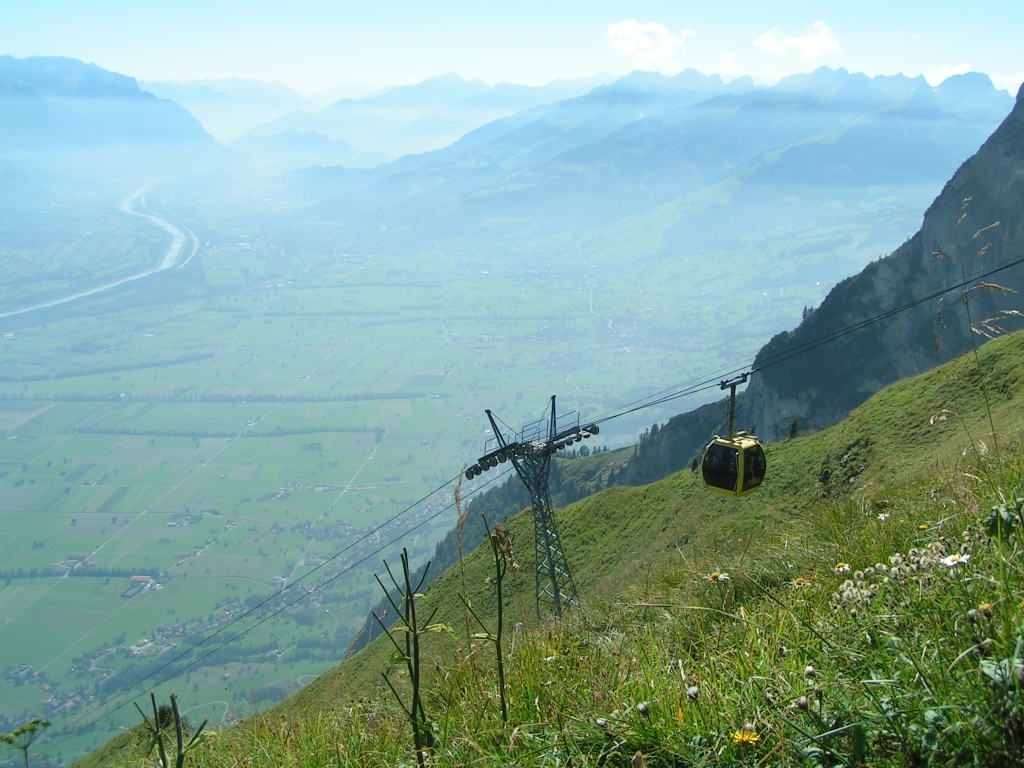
(868, 617)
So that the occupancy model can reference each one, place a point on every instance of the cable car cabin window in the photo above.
(721, 466)
(754, 466)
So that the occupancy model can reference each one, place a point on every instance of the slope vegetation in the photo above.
(860, 609)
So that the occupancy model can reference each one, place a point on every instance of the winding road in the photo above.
(172, 258)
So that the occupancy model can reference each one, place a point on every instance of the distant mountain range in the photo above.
(518, 146)
(415, 118)
(728, 156)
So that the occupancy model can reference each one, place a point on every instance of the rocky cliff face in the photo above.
(819, 383)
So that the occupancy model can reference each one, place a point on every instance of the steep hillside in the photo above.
(669, 659)
(972, 234)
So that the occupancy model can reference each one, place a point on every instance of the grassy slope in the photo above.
(637, 556)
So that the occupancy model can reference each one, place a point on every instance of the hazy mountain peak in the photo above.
(971, 94)
(823, 79)
(968, 82)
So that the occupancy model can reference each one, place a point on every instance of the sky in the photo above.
(316, 45)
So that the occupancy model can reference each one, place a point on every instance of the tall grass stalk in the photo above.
(408, 650)
(501, 552)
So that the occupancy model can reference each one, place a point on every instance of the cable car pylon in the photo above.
(530, 453)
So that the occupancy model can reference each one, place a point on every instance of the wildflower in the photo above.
(717, 576)
(922, 527)
(799, 582)
(986, 610)
(746, 735)
(842, 568)
(810, 672)
(952, 561)
(693, 693)
(801, 704)
(883, 516)
(644, 708)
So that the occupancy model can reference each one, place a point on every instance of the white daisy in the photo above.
(952, 561)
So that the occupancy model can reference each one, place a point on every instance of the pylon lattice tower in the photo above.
(530, 453)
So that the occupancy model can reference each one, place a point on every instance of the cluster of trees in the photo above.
(99, 370)
(94, 571)
(582, 452)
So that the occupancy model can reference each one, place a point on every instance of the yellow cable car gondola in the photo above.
(734, 465)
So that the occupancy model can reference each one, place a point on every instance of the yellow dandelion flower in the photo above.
(745, 735)
(717, 576)
(842, 568)
(800, 582)
(922, 527)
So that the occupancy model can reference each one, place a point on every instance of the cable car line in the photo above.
(660, 398)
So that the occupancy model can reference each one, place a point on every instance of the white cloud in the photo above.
(937, 75)
(812, 44)
(647, 45)
(1010, 83)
